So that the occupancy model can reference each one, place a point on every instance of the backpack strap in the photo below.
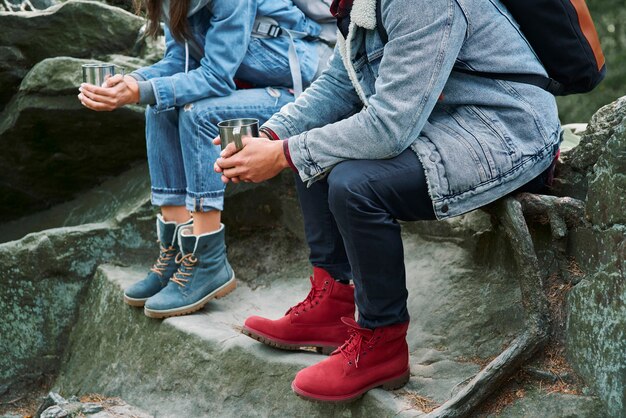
(546, 83)
(382, 32)
(266, 27)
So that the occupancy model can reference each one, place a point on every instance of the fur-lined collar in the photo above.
(363, 13)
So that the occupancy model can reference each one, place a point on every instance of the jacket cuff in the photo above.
(146, 93)
(137, 76)
(270, 133)
(288, 155)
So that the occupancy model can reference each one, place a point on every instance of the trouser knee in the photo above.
(347, 192)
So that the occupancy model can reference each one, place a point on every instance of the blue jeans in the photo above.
(351, 225)
(181, 153)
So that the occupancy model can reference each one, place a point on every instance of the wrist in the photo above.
(287, 155)
(133, 87)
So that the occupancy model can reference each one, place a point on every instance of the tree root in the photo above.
(562, 213)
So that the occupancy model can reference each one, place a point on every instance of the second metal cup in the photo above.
(97, 74)
(233, 130)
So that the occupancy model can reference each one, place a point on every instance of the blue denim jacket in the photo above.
(477, 138)
(223, 29)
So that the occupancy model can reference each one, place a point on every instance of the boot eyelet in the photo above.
(349, 363)
(326, 283)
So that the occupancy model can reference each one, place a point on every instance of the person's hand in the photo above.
(260, 159)
(217, 141)
(116, 91)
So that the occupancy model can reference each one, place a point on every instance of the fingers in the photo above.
(217, 141)
(92, 90)
(110, 101)
(113, 81)
(93, 105)
(229, 151)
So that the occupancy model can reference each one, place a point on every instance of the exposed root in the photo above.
(561, 213)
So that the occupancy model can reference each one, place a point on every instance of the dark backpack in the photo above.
(564, 38)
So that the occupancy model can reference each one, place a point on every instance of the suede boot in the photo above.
(314, 322)
(369, 359)
(163, 268)
(203, 274)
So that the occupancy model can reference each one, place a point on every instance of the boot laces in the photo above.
(165, 255)
(187, 263)
(351, 349)
(311, 299)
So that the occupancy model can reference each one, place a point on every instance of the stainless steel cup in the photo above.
(233, 130)
(97, 73)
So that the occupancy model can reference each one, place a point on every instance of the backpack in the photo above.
(317, 10)
(564, 38)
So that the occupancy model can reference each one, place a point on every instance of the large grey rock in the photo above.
(596, 322)
(43, 276)
(53, 147)
(97, 205)
(229, 374)
(81, 29)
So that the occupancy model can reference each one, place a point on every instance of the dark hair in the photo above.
(178, 25)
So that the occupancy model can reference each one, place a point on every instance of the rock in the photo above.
(105, 408)
(536, 403)
(13, 68)
(121, 194)
(79, 29)
(594, 140)
(52, 399)
(596, 320)
(17, 5)
(91, 408)
(606, 198)
(53, 147)
(54, 412)
(43, 276)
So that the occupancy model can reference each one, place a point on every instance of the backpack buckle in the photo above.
(268, 29)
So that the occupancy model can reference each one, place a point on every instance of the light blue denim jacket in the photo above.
(477, 138)
(223, 29)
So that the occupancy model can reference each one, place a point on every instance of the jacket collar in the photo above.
(363, 13)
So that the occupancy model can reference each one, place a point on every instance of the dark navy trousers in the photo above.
(351, 225)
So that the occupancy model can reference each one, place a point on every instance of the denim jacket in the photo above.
(223, 30)
(477, 138)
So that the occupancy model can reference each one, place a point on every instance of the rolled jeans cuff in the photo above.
(168, 197)
(193, 202)
(204, 202)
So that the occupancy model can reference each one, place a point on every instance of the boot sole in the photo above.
(218, 293)
(134, 302)
(320, 347)
(392, 383)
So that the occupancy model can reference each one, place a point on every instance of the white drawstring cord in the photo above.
(186, 57)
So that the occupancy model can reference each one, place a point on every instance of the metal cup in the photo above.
(98, 73)
(233, 130)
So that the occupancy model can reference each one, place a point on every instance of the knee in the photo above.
(347, 188)
(198, 119)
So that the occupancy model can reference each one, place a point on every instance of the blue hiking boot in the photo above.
(163, 268)
(203, 274)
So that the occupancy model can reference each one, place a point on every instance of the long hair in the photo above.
(178, 25)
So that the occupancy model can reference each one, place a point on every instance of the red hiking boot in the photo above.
(314, 322)
(369, 359)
